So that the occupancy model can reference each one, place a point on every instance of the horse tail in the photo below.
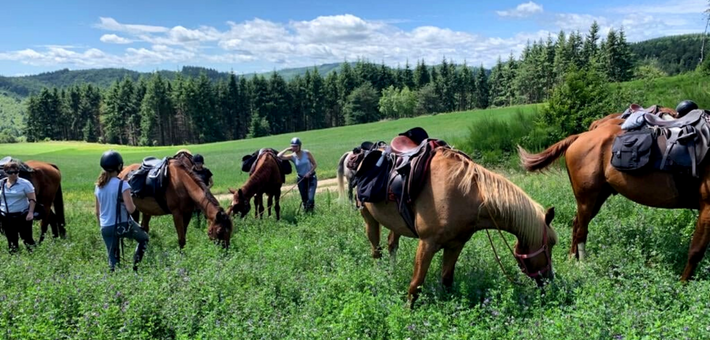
(537, 162)
(341, 175)
(59, 202)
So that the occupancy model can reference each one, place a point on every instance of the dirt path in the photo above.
(330, 184)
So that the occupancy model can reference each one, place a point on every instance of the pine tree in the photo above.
(314, 99)
(421, 75)
(408, 76)
(590, 49)
(333, 110)
(361, 106)
(482, 89)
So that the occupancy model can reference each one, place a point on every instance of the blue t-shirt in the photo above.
(16, 195)
(108, 198)
(303, 164)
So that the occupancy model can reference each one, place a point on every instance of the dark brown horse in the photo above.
(47, 180)
(594, 179)
(458, 198)
(185, 191)
(265, 179)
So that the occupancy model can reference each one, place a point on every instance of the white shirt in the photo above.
(108, 198)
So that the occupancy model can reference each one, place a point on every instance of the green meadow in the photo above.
(312, 277)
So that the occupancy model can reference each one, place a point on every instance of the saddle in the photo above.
(249, 162)
(681, 144)
(25, 170)
(151, 180)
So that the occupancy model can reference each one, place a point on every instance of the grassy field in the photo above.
(311, 277)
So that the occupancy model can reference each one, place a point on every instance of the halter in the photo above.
(520, 257)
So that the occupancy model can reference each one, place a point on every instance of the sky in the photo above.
(265, 35)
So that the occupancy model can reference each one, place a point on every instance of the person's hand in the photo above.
(308, 175)
(30, 216)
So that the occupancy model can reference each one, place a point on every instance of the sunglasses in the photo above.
(12, 172)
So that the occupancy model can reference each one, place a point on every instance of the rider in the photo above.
(204, 173)
(107, 197)
(306, 170)
(17, 205)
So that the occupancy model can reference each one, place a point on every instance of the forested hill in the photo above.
(673, 54)
(24, 86)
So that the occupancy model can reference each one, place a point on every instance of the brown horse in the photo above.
(594, 179)
(460, 197)
(185, 191)
(266, 179)
(47, 180)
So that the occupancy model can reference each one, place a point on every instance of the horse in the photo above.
(344, 173)
(594, 179)
(47, 180)
(458, 198)
(185, 191)
(265, 179)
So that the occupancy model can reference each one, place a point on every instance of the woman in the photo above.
(17, 206)
(306, 170)
(113, 216)
(204, 173)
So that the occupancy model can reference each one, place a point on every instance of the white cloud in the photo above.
(114, 39)
(523, 10)
(667, 8)
(111, 24)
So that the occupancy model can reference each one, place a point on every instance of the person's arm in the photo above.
(96, 210)
(128, 200)
(282, 155)
(33, 201)
(314, 165)
(209, 186)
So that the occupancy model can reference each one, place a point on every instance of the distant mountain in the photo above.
(673, 54)
(23, 86)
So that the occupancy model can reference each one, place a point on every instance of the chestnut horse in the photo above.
(185, 191)
(266, 179)
(458, 198)
(614, 117)
(594, 179)
(47, 180)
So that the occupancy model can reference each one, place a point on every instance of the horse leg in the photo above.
(145, 222)
(350, 189)
(43, 228)
(699, 243)
(277, 205)
(425, 252)
(269, 202)
(372, 228)
(451, 255)
(180, 225)
(588, 205)
(393, 246)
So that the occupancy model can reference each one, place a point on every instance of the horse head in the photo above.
(240, 204)
(536, 261)
(220, 229)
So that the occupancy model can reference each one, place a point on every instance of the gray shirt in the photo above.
(16, 195)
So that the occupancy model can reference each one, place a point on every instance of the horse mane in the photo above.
(510, 204)
(259, 176)
(186, 165)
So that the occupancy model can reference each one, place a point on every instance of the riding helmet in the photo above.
(111, 160)
(197, 158)
(685, 106)
(295, 141)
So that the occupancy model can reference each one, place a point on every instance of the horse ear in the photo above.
(231, 191)
(549, 215)
(241, 194)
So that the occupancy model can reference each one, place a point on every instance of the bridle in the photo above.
(545, 249)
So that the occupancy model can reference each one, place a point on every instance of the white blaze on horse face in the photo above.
(581, 251)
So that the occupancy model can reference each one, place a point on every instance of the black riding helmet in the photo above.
(197, 158)
(685, 106)
(111, 160)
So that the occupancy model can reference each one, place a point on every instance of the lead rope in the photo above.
(500, 264)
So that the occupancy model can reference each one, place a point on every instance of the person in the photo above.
(114, 215)
(306, 170)
(204, 173)
(17, 205)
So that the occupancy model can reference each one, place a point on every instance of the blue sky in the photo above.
(263, 35)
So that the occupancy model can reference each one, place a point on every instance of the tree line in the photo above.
(155, 110)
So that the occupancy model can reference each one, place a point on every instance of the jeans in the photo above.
(307, 188)
(14, 224)
(112, 243)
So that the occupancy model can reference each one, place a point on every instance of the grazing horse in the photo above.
(185, 191)
(344, 173)
(458, 198)
(265, 179)
(47, 179)
(594, 179)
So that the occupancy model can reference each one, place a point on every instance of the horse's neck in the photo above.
(525, 237)
(255, 182)
(198, 195)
